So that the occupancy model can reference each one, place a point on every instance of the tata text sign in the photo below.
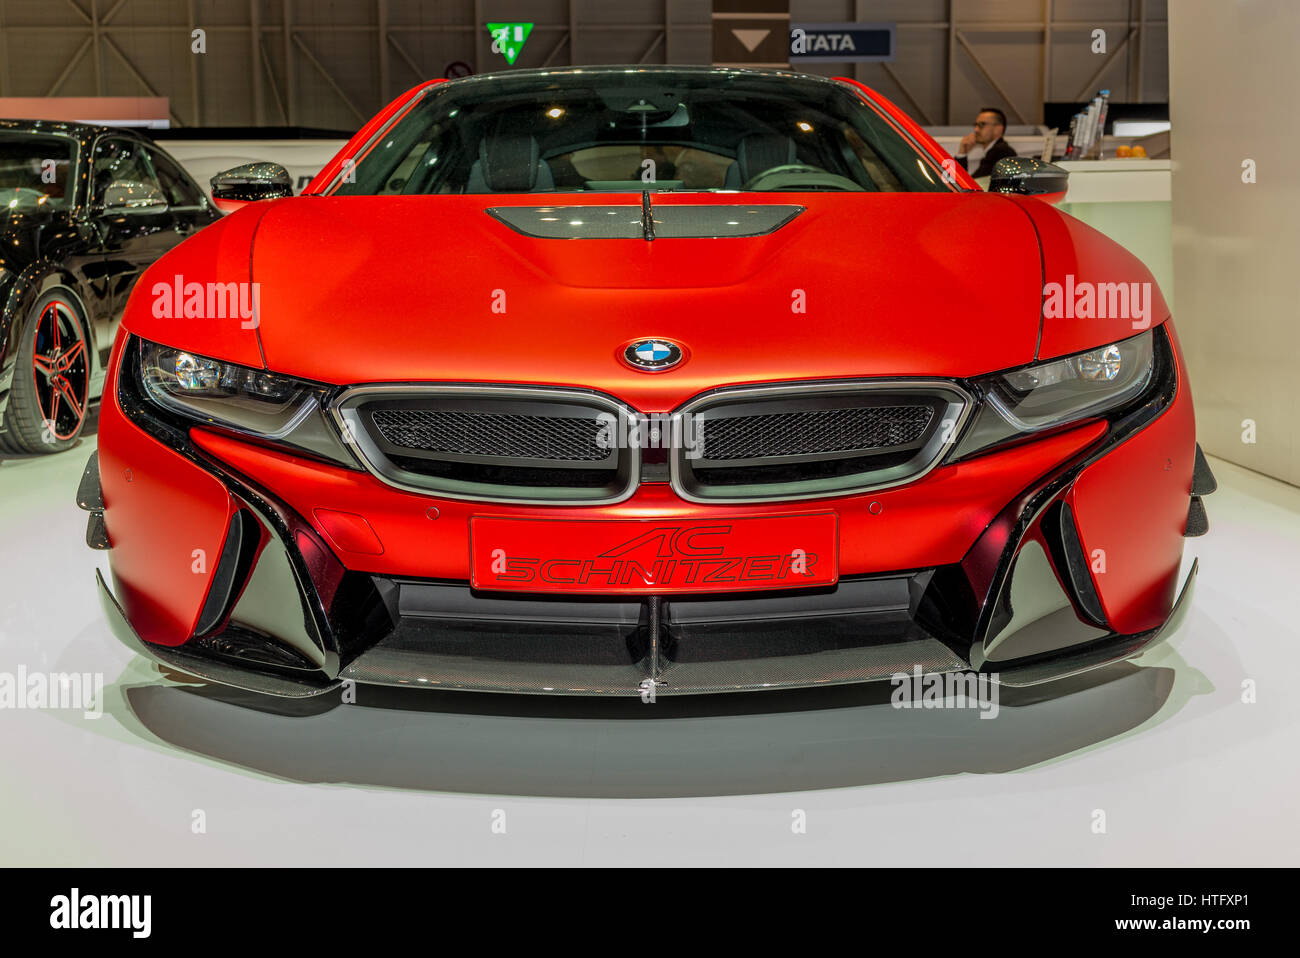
(841, 42)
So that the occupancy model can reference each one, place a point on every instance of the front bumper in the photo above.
(1030, 564)
(614, 656)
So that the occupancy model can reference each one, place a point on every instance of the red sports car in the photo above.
(623, 380)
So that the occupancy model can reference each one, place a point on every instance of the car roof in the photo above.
(657, 69)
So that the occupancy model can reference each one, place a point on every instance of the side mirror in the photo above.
(1030, 176)
(250, 183)
(128, 196)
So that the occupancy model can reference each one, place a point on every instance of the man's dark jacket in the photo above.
(998, 149)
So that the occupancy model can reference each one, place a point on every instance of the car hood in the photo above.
(384, 289)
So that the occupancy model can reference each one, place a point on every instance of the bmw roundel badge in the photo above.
(653, 354)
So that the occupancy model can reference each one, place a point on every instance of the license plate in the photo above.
(653, 556)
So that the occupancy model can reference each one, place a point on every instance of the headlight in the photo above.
(239, 397)
(200, 390)
(1059, 392)
(1065, 390)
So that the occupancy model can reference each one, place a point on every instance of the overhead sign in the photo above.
(751, 33)
(508, 39)
(841, 42)
(750, 39)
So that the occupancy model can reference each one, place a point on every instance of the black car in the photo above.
(83, 211)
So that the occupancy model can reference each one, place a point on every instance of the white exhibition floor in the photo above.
(1185, 772)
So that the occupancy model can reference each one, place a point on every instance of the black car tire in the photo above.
(47, 402)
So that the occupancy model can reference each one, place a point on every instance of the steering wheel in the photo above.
(790, 176)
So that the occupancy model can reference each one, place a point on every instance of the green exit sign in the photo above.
(508, 39)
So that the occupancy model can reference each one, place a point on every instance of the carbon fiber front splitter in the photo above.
(483, 655)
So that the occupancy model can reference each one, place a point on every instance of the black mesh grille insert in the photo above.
(498, 443)
(809, 432)
(805, 441)
(503, 435)
(524, 444)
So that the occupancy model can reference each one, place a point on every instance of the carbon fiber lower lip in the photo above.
(710, 646)
(606, 660)
(1115, 648)
(448, 636)
(209, 669)
(607, 655)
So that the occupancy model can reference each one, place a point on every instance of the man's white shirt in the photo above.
(974, 157)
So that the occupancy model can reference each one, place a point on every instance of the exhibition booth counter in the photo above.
(1129, 201)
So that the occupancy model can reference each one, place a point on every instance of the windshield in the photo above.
(34, 171)
(627, 130)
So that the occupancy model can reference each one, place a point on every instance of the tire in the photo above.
(51, 387)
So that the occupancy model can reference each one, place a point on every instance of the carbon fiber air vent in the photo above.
(686, 221)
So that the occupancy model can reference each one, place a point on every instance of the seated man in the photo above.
(984, 146)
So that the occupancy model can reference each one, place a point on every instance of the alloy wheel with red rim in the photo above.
(60, 370)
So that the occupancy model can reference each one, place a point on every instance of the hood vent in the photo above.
(718, 221)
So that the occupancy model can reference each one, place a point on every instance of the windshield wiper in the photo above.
(647, 217)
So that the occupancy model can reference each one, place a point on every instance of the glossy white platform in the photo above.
(1185, 772)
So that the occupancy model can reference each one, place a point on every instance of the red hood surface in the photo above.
(371, 289)
(390, 289)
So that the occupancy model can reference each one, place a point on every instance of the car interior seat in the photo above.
(509, 163)
(754, 154)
